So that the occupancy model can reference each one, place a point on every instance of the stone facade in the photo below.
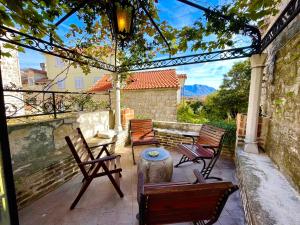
(157, 104)
(11, 77)
(281, 101)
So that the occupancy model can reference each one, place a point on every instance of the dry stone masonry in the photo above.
(281, 101)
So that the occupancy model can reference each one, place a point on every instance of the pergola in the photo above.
(254, 51)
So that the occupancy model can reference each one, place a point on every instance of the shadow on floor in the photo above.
(101, 205)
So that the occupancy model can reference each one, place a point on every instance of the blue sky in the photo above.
(178, 15)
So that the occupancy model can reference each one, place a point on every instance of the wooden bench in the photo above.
(142, 133)
(207, 146)
(166, 203)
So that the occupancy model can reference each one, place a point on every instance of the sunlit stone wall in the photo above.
(281, 101)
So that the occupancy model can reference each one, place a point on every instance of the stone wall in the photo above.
(11, 75)
(157, 104)
(281, 101)
(41, 159)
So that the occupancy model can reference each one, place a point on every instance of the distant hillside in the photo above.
(197, 90)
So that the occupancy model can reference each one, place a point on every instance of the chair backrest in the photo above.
(80, 150)
(184, 203)
(140, 127)
(211, 135)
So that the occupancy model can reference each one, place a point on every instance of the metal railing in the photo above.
(27, 103)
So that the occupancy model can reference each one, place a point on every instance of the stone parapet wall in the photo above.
(281, 101)
(267, 196)
(46, 180)
(190, 127)
(41, 159)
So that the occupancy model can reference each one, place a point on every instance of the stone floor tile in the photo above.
(101, 205)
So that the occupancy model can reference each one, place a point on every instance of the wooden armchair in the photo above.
(92, 167)
(166, 203)
(208, 146)
(142, 133)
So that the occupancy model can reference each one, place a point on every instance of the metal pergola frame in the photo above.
(12, 36)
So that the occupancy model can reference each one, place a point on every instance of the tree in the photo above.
(232, 98)
(37, 18)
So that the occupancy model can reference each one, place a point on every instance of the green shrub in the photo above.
(186, 114)
(230, 127)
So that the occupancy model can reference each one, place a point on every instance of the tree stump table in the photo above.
(156, 169)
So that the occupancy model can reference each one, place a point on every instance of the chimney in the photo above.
(43, 67)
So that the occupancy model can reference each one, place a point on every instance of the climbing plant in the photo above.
(93, 36)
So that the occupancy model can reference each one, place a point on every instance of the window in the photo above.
(30, 81)
(79, 83)
(61, 84)
(59, 62)
(96, 79)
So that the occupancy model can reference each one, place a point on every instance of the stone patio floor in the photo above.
(101, 205)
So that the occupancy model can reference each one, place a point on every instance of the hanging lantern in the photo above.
(122, 19)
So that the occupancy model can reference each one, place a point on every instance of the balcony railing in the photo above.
(27, 103)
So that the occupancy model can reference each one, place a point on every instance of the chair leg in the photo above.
(114, 183)
(207, 169)
(133, 155)
(81, 192)
(183, 159)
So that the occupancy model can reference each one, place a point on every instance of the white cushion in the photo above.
(106, 134)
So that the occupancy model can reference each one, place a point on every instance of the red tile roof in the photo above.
(142, 80)
(182, 76)
(152, 79)
(36, 71)
(104, 84)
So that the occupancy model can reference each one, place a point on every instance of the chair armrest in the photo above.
(191, 136)
(198, 175)
(105, 144)
(103, 159)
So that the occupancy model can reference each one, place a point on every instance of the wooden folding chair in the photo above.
(92, 167)
(142, 133)
(208, 146)
(166, 203)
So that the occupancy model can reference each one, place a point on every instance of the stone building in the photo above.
(71, 78)
(34, 79)
(280, 100)
(152, 94)
(11, 79)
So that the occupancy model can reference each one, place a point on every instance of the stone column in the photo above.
(257, 64)
(118, 125)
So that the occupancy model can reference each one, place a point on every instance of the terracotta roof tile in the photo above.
(153, 79)
(142, 80)
(104, 84)
(36, 71)
(182, 76)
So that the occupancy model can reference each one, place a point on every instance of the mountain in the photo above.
(197, 90)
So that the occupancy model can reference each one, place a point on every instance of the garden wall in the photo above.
(281, 101)
(41, 160)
